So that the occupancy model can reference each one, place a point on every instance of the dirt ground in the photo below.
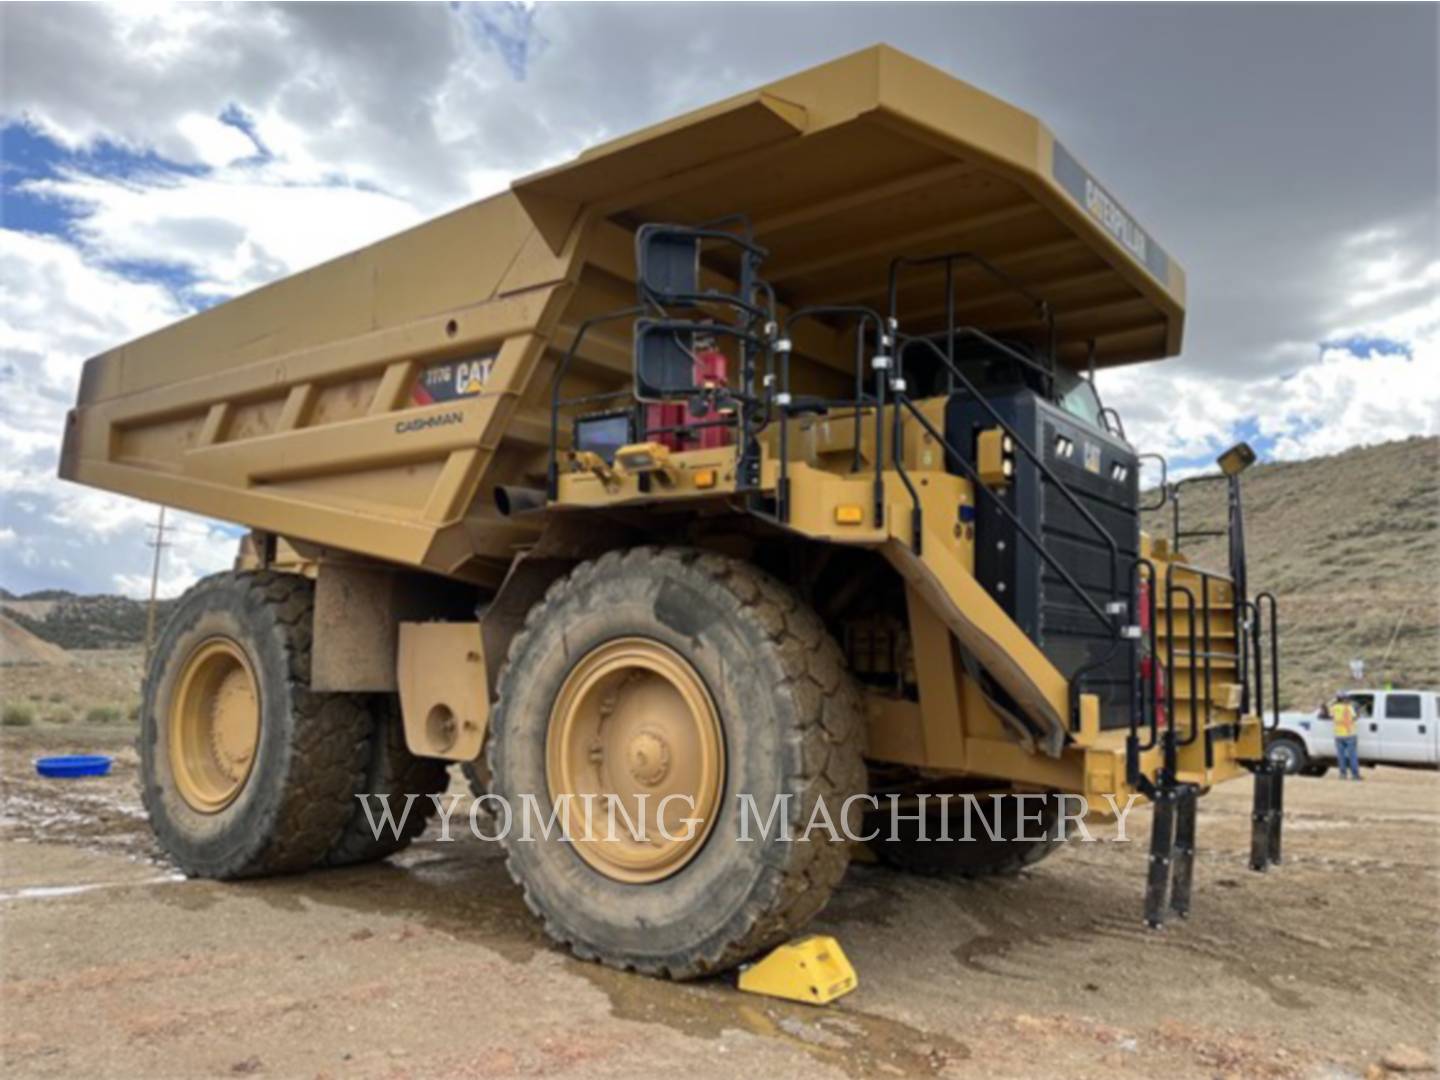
(429, 965)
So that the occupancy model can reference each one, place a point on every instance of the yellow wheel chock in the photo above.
(810, 969)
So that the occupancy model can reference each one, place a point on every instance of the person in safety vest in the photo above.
(1342, 716)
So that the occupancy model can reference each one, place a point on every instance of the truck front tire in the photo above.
(244, 770)
(662, 670)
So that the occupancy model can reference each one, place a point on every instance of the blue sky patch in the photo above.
(26, 155)
(1367, 347)
(508, 27)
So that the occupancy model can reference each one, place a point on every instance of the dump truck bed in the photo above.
(374, 403)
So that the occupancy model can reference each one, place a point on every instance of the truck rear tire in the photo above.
(666, 671)
(244, 770)
(978, 857)
(395, 772)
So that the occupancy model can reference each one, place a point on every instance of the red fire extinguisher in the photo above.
(711, 372)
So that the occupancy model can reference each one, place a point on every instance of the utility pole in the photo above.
(1385, 660)
(159, 544)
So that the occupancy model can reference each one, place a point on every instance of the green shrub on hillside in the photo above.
(17, 715)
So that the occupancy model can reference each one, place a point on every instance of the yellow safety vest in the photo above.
(1343, 717)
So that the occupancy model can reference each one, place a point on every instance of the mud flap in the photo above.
(1277, 814)
(1183, 872)
(1162, 846)
(1266, 816)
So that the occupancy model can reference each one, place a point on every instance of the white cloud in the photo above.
(234, 229)
(215, 142)
(56, 310)
(1340, 391)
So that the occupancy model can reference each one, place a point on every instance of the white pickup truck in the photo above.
(1394, 727)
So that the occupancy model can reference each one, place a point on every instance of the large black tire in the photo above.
(792, 725)
(311, 749)
(978, 857)
(395, 772)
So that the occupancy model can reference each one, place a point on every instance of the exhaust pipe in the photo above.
(511, 500)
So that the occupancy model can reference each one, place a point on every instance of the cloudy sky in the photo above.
(157, 160)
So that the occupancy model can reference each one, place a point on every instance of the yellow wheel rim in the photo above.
(634, 724)
(214, 725)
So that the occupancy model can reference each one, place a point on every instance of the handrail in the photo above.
(815, 311)
(961, 332)
(897, 456)
(1174, 497)
(1148, 700)
(1260, 600)
(1171, 747)
(738, 301)
(1163, 488)
(1108, 411)
(949, 259)
(1171, 588)
(1253, 695)
(1207, 646)
(661, 326)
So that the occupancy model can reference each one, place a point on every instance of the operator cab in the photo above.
(1058, 413)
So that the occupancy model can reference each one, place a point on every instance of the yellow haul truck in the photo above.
(749, 461)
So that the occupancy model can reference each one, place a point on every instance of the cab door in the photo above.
(1406, 733)
(1367, 725)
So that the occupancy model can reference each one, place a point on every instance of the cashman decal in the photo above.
(403, 427)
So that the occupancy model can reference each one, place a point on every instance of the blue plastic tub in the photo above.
(69, 766)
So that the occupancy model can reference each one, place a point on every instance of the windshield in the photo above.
(1077, 397)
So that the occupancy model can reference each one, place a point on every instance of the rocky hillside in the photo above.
(1350, 545)
(20, 646)
(82, 622)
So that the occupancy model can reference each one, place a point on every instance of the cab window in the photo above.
(1402, 706)
(1364, 705)
(1077, 397)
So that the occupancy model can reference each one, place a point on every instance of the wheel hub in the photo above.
(649, 758)
(214, 725)
(635, 734)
